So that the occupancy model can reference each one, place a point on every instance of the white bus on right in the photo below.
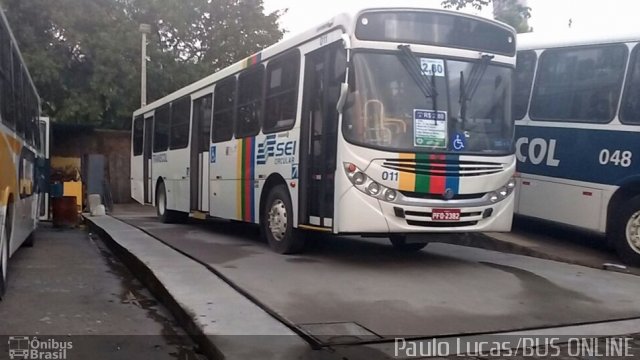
(577, 108)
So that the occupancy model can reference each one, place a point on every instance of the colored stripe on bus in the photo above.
(245, 198)
(407, 180)
(435, 183)
(253, 60)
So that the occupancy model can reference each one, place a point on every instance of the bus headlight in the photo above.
(503, 192)
(373, 188)
(390, 195)
(368, 186)
(359, 178)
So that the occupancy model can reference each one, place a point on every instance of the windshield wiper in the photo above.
(410, 62)
(468, 90)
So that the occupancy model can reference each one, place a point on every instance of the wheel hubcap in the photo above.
(278, 220)
(633, 232)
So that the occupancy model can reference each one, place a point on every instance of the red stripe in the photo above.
(248, 143)
(437, 185)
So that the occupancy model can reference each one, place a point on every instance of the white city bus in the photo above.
(20, 151)
(577, 106)
(391, 122)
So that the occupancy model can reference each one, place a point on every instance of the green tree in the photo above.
(84, 55)
(512, 12)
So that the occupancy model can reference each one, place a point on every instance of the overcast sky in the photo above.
(547, 15)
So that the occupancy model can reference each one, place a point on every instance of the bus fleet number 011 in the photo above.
(617, 158)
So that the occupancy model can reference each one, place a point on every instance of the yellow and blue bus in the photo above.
(21, 149)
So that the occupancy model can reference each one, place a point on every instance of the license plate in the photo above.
(445, 215)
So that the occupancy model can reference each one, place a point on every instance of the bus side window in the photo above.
(525, 67)
(579, 83)
(249, 108)
(282, 93)
(180, 115)
(161, 129)
(138, 135)
(223, 110)
(202, 113)
(630, 109)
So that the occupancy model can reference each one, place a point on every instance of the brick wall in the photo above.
(115, 145)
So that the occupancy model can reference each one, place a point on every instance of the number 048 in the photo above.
(617, 158)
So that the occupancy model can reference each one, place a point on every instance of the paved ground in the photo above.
(69, 286)
(361, 287)
(549, 241)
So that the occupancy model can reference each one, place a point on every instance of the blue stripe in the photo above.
(453, 182)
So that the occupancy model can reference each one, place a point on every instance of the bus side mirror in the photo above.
(344, 92)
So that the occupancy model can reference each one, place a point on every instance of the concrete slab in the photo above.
(69, 287)
(445, 290)
(230, 325)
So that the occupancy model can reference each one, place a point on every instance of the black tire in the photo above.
(282, 238)
(30, 241)
(627, 248)
(399, 243)
(4, 250)
(165, 215)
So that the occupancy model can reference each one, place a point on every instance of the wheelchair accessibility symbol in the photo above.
(459, 142)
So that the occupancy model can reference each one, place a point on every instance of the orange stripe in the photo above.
(407, 180)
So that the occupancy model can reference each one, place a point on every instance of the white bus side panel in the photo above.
(137, 181)
(224, 187)
(178, 178)
(560, 202)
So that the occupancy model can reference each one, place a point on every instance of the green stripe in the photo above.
(422, 181)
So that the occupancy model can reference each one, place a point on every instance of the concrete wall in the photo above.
(115, 145)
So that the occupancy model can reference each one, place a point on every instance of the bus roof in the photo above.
(345, 20)
(532, 41)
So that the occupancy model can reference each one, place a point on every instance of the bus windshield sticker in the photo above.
(459, 142)
(429, 128)
(432, 67)
(213, 154)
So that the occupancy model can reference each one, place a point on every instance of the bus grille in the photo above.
(443, 167)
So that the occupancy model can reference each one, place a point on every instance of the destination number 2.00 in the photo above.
(617, 158)
(390, 175)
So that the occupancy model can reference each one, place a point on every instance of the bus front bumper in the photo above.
(368, 215)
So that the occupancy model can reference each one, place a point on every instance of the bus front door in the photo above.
(146, 166)
(323, 75)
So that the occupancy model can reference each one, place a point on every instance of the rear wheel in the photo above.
(168, 216)
(30, 240)
(276, 224)
(400, 243)
(625, 234)
(4, 249)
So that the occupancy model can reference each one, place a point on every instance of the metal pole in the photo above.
(144, 29)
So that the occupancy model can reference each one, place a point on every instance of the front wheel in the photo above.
(276, 224)
(4, 250)
(625, 234)
(400, 243)
(168, 216)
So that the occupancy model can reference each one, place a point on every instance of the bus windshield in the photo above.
(467, 110)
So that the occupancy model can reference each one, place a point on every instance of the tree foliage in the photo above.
(511, 12)
(84, 55)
